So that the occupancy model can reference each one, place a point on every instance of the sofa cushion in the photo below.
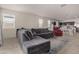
(44, 30)
(25, 37)
(40, 30)
(29, 35)
(34, 32)
(36, 41)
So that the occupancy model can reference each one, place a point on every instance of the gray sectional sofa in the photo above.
(37, 45)
(40, 45)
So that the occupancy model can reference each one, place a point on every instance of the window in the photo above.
(40, 22)
(8, 21)
(49, 23)
(76, 24)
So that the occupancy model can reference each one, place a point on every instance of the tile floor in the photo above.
(11, 46)
(72, 47)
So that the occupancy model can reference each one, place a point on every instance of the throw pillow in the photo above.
(25, 37)
(29, 34)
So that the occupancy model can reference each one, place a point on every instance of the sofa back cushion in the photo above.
(40, 30)
(44, 30)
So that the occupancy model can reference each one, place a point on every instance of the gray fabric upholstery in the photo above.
(26, 44)
(36, 41)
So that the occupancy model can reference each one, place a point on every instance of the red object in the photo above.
(57, 31)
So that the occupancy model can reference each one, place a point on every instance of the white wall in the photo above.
(26, 20)
(0, 28)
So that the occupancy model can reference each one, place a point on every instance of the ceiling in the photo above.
(55, 11)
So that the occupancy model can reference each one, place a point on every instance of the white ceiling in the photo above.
(57, 11)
